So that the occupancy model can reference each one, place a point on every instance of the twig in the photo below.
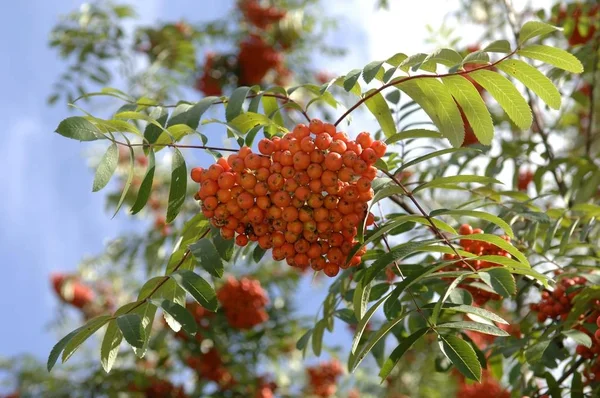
(435, 229)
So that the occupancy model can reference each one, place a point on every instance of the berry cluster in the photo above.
(71, 290)
(524, 179)
(210, 83)
(323, 378)
(255, 59)
(244, 302)
(303, 197)
(487, 388)
(556, 304)
(479, 248)
(209, 366)
(265, 388)
(574, 35)
(158, 388)
(260, 16)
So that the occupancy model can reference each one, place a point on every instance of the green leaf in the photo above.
(355, 359)
(106, 168)
(533, 79)
(302, 342)
(182, 317)
(58, 348)
(410, 134)
(317, 337)
(474, 326)
(478, 214)
(449, 290)
(498, 46)
(370, 71)
(152, 131)
(191, 115)
(133, 332)
(78, 128)
(379, 107)
(236, 102)
(197, 287)
(362, 323)
(224, 246)
(146, 185)
(399, 351)
(128, 181)
(500, 280)
(553, 56)
(453, 180)
(476, 57)
(462, 355)
(178, 188)
(505, 93)
(579, 337)
(533, 29)
(553, 387)
(110, 346)
(435, 99)
(469, 309)
(360, 299)
(501, 243)
(146, 312)
(432, 155)
(534, 353)
(444, 56)
(471, 103)
(350, 79)
(397, 252)
(83, 334)
(208, 257)
(249, 120)
(577, 386)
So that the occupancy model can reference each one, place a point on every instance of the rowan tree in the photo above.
(457, 240)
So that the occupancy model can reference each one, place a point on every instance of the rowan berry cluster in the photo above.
(524, 179)
(579, 14)
(255, 59)
(488, 387)
(557, 304)
(592, 318)
(209, 366)
(260, 16)
(265, 388)
(304, 196)
(479, 248)
(158, 388)
(323, 378)
(244, 302)
(71, 290)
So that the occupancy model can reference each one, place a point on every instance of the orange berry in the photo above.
(295, 226)
(265, 242)
(301, 160)
(196, 174)
(333, 161)
(363, 184)
(224, 195)
(323, 141)
(351, 220)
(315, 200)
(317, 157)
(290, 237)
(244, 151)
(227, 233)
(379, 147)
(210, 203)
(256, 215)
(281, 199)
(278, 239)
(307, 144)
(302, 178)
(465, 229)
(252, 161)
(214, 171)
(331, 269)
(295, 146)
(245, 200)
(261, 189)
(226, 180)
(329, 128)
(329, 178)
(360, 166)
(301, 131)
(316, 186)
(288, 172)
(305, 214)
(338, 146)
(346, 174)
(301, 246)
(289, 214)
(302, 193)
(274, 212)
(318, 264)
(275, 182)
(320, 214)
(247, 181)
(364, 139)
(335, 255)
(330, 202)
(266, 146)
(290, 185)
(209, 188)
(316, 126)
(262, 174)
(369, 156)
(287, 159)
(241, 240)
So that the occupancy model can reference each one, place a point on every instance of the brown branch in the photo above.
(434, 76)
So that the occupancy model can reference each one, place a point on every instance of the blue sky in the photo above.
(50, 217)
